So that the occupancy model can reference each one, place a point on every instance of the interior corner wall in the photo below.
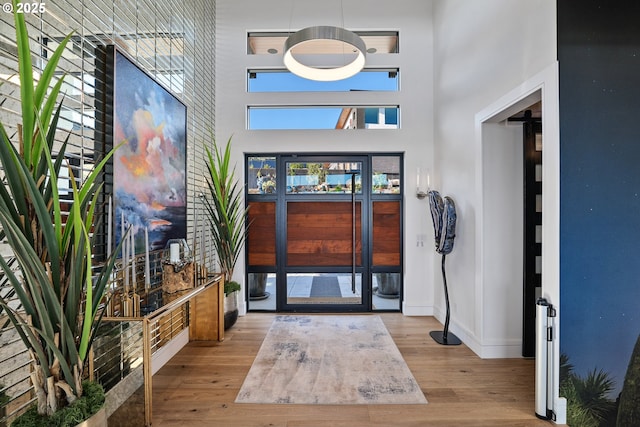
(599, 63)
(483, 50)
(412, 18)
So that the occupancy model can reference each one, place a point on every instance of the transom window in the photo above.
(283, 81)
(307, 117)
(271, 43)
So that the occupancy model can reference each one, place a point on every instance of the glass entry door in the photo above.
(324, 207)
(325, 233)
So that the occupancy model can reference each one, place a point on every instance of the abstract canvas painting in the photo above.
(149, 167)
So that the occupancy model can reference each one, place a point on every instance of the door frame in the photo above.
(283, 269)
(367, 198)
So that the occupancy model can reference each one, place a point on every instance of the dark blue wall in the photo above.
(599, 60)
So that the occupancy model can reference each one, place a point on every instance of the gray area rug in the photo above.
(325, 286)
(329, 360)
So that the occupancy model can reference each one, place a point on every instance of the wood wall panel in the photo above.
(261, 242)
(320, 234)
(387, 233)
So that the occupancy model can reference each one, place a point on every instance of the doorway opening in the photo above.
(531, 120)
(504, 228)
(325, 232)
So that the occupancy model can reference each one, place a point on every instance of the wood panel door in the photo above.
(387, 234)
(321, 234)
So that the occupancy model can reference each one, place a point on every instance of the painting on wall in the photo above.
(149, 167)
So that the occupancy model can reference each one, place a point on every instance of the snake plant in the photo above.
(58, 291)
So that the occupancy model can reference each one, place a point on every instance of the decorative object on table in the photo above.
(177, 254)
(225, 209)
(443, 214)
(60, 290)
(177, 269)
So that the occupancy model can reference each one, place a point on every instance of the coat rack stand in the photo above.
(444, 337)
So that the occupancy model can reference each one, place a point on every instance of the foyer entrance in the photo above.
(327, 236)
(532, 226)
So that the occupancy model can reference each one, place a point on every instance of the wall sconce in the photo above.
(421, 191)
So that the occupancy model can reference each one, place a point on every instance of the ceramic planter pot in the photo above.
(230, 309)
(99, 419)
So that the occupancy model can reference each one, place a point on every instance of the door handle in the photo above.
(353, 233)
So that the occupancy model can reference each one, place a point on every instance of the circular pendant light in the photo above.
(331, 42)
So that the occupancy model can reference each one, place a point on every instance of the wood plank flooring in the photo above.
(199, 385)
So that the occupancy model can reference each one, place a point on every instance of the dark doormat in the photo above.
(325, 286)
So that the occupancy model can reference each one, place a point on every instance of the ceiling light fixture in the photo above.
(329, 42)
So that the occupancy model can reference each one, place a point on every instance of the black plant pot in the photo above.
(230, 319)
(230, 309)
(258, 286)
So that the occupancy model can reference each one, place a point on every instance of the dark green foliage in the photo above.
(629, 409)
(588, 404)
(593, 392)
(231, 286)
(91, 402)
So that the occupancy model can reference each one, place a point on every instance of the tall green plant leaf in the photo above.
(25, 70)
(224, 206)
(58, 299)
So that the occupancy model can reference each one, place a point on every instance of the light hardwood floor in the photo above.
(199, 385)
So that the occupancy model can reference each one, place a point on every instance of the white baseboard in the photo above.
(416, 310)
(489, 349)
(166, 352)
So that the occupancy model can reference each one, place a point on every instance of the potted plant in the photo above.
(58, 293)
(226, 215)
(388, 285)
(231, 290)
(258, 286)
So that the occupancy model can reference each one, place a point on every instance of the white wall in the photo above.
(485, 50)
(482, 50)
(502, 238)
(487, 55)
(412, 18)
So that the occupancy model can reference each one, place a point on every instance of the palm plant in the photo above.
(588, 403)
(59, 299)
(225, 210)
